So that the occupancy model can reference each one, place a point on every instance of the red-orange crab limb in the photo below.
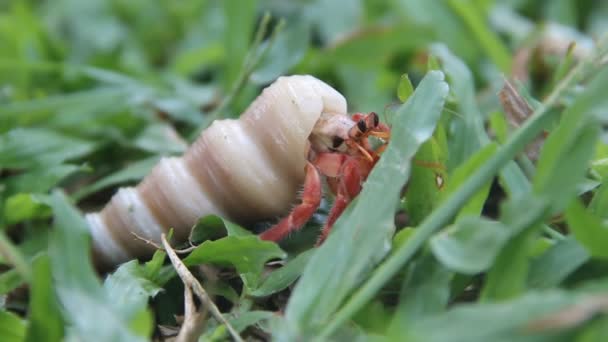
(339, 150)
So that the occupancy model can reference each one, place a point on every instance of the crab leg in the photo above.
(300, 214)
(351, 176)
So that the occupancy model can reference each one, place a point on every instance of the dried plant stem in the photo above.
(193, 319)
(190, 281)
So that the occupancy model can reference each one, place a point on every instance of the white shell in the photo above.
(245, 170)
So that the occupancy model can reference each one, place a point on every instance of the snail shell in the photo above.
(245, 170)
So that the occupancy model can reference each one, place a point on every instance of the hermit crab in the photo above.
(248, 170)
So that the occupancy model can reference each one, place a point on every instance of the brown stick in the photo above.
(190, 281)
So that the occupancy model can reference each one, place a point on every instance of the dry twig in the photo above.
(190, 281)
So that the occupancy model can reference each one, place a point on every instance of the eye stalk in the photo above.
(365, 125)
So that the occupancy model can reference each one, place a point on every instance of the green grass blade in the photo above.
(359, 238)
(440, 217)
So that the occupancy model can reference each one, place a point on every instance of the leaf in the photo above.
(133, 172)
(468, 133)
(425, 291)
(29, 147)
(41, 179)
(359, 237)
(283, 277)
(247, 254)
(160, 138)
(489, 322)
(26, 111)
(250, 318)
(427, 181)
(561, 167)
(335, 19)
(239, 324)
(12, 328)
(130, 286)
(487, 39)
(239, 17)
(588, 229)
(87, 307)
(460, 175)
(287, 50)
(405, 88)
(558, 262)
(45, 319)
(21, 207)
(451, 31)
(213, 226)
(9, 281)
(470, 245)
(508, 275)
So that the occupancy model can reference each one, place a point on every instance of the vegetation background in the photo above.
(491, 243)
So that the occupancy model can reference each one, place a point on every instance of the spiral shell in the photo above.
(244, 170)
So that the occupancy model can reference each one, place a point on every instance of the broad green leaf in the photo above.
(505, 321)
(9, 281)
(27, 111)
(239, 17)
(568, 169)
(470, 245)
(336, 19)
(283, 277)
(22, 207)
(427, 181)
(133, 172)
(12, 328)
(286, 51)
(130, 286)
(160, 138)
(13, 256)
(41, 179)
(213, 226)
(561, 167)
(405, 88)
(467, 132)
(359, 237)
(588, 229)
(425, 16)
(425, 291)
(487, 39)
(566, 152)
(250, 318)
(508, 274)
(89, 309)
(247, 254)
(29, 147)
(382, 40)
(460, 175)
(441, 217)
(45, 319)
(599, 203)
(240, 323)
(561, 11)
(558, 262)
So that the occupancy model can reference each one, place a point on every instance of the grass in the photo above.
(491, 239)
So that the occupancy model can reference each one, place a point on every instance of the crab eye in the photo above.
(376, 119)
(337, 141)
(362, 125)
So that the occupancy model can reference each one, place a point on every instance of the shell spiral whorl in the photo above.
(244, 170)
